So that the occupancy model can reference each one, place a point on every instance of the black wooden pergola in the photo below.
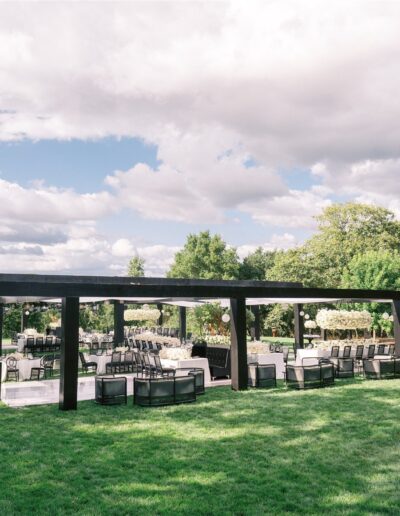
(70, 289)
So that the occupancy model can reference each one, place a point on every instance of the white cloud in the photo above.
(297, 209)
(213, 85)
(284, 241)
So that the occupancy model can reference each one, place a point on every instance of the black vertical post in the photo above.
(255, 329)
(69, 353)
(239, 373)
(119, 323)
(298, 326)
(182, 323)
(160, 319)
(1, 331)
(396, 326)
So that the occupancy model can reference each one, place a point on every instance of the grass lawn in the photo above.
(332, 451)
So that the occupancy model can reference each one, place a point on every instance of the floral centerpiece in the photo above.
(175, 353)
(343, 319)
(310, 325)
(257, 347)
(142, 314)
(217, 340)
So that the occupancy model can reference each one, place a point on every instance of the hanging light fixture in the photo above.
(226, 318)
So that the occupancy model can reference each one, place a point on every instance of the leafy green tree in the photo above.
(344, 231)
(374, 270)
(136, 267)
(205, 257)
(256, 265)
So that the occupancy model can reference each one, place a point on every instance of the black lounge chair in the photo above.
(306, 377)
(382, 369)
(261, 375)
(344, 367)
(111, 390)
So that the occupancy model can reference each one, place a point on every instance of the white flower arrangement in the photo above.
(175, 353)
(257, 347)
(30, 331)
(310, 325)
(343, 319)
(166, 341)
(217, 340)
(142, 314)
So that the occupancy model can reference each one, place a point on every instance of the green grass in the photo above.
(332, 451)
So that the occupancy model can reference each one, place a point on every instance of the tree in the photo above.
(256, 265)
(374, 270)
(136, 266)
(205, 257)
(344, 231)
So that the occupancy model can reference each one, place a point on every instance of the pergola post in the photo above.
(119, 334)
(239, 375)
(396, 326)
(298, 326)
(69, 353)
(255, 329)
(1, 329)
(160, 319)
(182, 323)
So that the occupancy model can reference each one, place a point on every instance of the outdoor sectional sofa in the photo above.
(154, 392)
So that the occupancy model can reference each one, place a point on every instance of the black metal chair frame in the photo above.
(198, 373)
(87, 365)
(11, 364)
(309, 384)
(152, 401)
(392, 373)
(114, 399)
(262, 383)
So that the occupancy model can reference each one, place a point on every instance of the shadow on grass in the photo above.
(333, 450)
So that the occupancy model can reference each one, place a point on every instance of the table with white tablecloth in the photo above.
(190, 362)
(101, 361)
(22, 341)
(269, 358)
(24, 367)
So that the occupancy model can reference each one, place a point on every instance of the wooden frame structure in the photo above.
(31, 287)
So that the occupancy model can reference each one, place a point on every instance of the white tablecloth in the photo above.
(190, 362)
(101, 361)
(24, 367)
(270, 358)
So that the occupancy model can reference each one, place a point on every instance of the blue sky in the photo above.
(126, 126)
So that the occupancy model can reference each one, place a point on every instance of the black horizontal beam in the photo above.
(103, 286)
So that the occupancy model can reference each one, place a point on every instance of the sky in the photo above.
(125, 126)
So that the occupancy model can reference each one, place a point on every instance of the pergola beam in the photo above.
(102, 286)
